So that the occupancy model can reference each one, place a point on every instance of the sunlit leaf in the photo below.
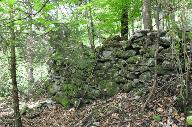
(1, 9)
(11, 2)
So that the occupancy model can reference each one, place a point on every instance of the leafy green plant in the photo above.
(157, 118)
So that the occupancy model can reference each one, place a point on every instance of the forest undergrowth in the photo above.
(121, 110)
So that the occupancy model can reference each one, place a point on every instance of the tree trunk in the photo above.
(29, 44)
(132, 26)
(17, 115)
(162, 20)
(124, 23)
(90, 27)
(30, 59)
(147, 21)
(155, 59)
(91, 31)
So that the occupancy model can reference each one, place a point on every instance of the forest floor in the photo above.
(121, 110)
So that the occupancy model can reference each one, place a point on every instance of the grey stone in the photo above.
(136, 45)
(143, 31)
(139, 41)
(131, 75)
(130, 67)
(131, 53)
(136, 81)
(120, 79)
(141, 69)
(165, 42)
(146, 76)
(106, 65)
(128, 86)
(151, 62)
(137, 34)
(169, 65)
(152, 34)
(53, 88)
(107, 54)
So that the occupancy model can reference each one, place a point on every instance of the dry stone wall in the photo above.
(131, 63)
(120, 65)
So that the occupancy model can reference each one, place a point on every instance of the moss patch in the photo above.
(108, 88)
(134, 59)
(70, 90)
(189, 120)
(63, 100)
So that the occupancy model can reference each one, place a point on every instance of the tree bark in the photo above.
(132, 26)
(29, 44)
(90, 27)
(30, 59)
(161, 18)
(17, 116)
(147, 21)
(124, 23)
(155, 59)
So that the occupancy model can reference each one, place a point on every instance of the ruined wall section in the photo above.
(131, 63)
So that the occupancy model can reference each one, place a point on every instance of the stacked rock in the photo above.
(120, 65)
(131, 63)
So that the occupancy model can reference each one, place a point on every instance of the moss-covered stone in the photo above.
(131, 75)
(140, 91)
(141, 69)
(52, 89)
(120, 64)
(93, 94)
(134, 59)
(123, 73)
(130, 67)
(120, 54)
(136, 83)
(149, 52)
(136, 45)
(125, 44)
(114, 72)
(62, 99)
(106, 65)
(168, 65)
(108, 88)
(104, 60)
(107, 54)
(150, 62)
(131, 53)
(49, 87)
(120, 79)
(128, 86)
(146, 76)
(23, 109)
(162, 71)
(75, 102)
(124, 54)
(70, 90)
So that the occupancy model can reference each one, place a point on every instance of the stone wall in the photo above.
(119, 65)
(131, 63)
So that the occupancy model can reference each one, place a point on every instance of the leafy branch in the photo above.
(29, 14)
